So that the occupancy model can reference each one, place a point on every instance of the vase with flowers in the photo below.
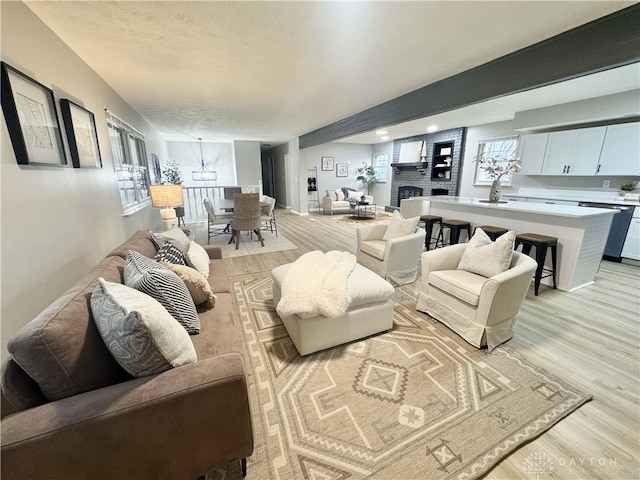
(497, 167)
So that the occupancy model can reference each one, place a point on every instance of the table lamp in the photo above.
(166, 197)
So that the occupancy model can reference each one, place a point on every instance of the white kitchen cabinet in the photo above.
(573, 152)
(621, 150)
(532, 148)
(631, 247)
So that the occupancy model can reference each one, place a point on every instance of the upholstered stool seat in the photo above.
(455, 227)
(370, 312)
(429, 221)
(541, 242)
(492, 232)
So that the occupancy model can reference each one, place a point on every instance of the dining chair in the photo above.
(215, 222)
(268, 214)
(246, 216)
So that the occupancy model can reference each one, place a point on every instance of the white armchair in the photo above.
(396, 260)
(481, 310)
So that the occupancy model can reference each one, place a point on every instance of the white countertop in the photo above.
(576, 195)
(523, 207)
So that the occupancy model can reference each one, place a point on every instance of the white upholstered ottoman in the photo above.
(370, 312)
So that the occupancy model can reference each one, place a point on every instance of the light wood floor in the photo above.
(590, 337)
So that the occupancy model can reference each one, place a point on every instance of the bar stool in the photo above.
(429, 222)
(541, 242)
(455, 227)
(491, 231)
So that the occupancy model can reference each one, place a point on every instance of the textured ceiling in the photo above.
(272, 71)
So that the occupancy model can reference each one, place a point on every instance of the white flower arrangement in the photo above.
(498, 166)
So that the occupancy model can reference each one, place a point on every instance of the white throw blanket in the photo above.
(316, 284)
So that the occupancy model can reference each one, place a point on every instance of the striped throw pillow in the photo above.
(148, 276)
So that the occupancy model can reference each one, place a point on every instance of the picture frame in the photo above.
(155, 168)
(327, 164)
(32, 119)
(82, 136)
(342, 169)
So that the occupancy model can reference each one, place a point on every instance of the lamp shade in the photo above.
(164, 196)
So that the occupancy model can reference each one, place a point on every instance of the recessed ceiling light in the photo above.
(432, 128)
(381, 132)
(384, 138)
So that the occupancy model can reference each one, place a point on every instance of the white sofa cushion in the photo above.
(485, 257)
(339, 195)
(363, 286)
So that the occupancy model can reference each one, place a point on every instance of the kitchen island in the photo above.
(581, 232)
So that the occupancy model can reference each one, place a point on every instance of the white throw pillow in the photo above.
(487, 258)
(356, 195)
(340, 195)
(400, 226)
(198, 258)
(139, 332)
(331, 194)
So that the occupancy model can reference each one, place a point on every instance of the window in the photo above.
(380, 164)
(130, 162)
(502, 148)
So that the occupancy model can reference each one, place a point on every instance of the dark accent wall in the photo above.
(605, 43)
(414, 177)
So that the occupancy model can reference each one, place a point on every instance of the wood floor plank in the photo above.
(590, 337)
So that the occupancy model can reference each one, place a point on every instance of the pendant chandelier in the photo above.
(202, 174)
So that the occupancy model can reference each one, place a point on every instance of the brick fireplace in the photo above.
(421, 178)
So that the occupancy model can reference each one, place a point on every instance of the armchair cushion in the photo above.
(466, 286)
(375, 248)
(485, 257)
(400, 226)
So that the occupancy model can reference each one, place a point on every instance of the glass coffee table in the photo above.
(364, 210)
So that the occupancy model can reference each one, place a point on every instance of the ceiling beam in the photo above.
(608, 42)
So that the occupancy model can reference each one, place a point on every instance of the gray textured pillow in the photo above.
(159, 282)
(400, 226)
(175, 236)
(138, 331)
(487, 258)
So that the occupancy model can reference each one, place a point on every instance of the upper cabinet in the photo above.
(573, 152)
(607, 150)
(621, 150)
(532, 148)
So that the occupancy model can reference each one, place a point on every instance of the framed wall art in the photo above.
(342, 169)
(327, 163)
(32, 119)
(80, 125)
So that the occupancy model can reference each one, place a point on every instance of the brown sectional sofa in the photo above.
(69, 411)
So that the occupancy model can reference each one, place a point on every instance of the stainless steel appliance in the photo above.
(618, 231)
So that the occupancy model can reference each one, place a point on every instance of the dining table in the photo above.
(226, 205)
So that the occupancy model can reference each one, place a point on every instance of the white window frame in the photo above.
(506, 147)
(130, 163)
(380, 163)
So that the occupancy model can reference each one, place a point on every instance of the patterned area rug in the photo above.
(249, 244)
(381, 217)
(416, 402)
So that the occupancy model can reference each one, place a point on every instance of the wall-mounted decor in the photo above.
(327, 163)
(32, 119)
(80, 125)
(342, 169)
(155, 168)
